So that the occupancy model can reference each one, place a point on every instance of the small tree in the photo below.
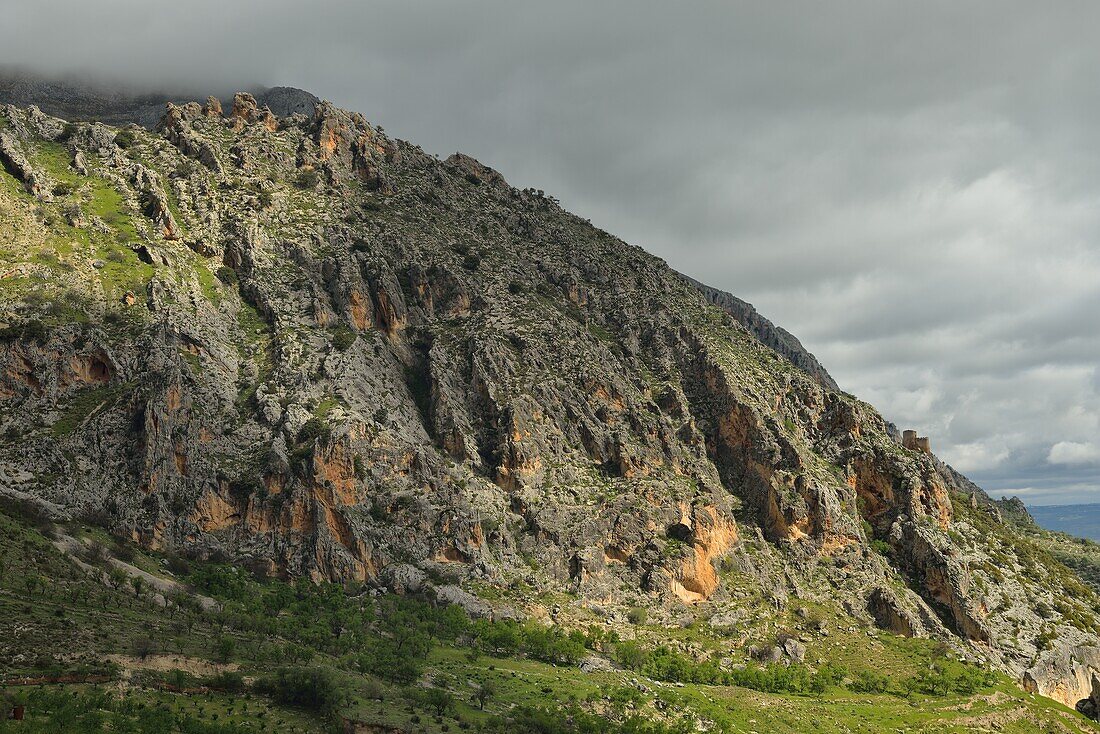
(313, 429)
(316, 689)
(125, 138)
(224, 648)
(117, 578)
(343, 338)
(143, 647)
(95, 553)
(438, 700)
(373, 689)
(485, 690)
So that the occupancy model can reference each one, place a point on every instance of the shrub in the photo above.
(124, 552)
(313, 429)
(631, 655)
(184, 169)
(179, 679)
(314, 689)
(343, 338)
(33, 330)
(178, 565)
(372, 689)
(28, 511)
(95, 553)
(125, 138)
(881, 547)
(867, 681)
(228, 681)
(242, 488)
(307, 180)
(637, 615)
(227, 275)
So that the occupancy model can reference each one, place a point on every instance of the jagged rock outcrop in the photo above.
(246, 111)
(176, 127)
(344, 145)
(13, 160)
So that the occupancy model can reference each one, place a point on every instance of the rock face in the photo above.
(1071, 677)
(1090, 706)
(287, 101)
(313, 347)
(13, 160)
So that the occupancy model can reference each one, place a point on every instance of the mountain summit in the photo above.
(298, 343)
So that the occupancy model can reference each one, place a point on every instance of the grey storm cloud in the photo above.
(911, 188)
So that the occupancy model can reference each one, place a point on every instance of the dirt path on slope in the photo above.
(72, 547)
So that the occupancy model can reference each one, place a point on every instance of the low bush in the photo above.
(313, 689)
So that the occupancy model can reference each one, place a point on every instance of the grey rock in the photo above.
(473, 606)
(794, 650)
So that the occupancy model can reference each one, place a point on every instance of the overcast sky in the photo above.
(911, 188)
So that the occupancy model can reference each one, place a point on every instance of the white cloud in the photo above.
(967, 457)
(1073, 453)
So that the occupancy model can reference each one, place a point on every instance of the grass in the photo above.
(208, 283)
(55, 160)
(108, 204)
(325, 406)
(82, 405)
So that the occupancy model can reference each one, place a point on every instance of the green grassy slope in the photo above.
(401, 665)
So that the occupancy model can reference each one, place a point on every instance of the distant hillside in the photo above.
(1082, 521)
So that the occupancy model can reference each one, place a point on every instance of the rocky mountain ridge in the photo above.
(308, 346)
(76, 99)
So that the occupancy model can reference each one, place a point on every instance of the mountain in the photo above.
(304, 347)
(1082, 521)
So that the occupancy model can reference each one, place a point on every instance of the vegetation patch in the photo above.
(82, 405)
